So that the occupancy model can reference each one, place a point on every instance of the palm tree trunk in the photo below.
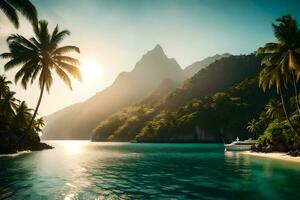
(285, 112)
(296, 91)
(37, 107)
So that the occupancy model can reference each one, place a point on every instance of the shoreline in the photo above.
(274, 155)
(17, 150)
(15, 154)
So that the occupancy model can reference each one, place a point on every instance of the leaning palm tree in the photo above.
(25, 7)
(253, 127)
(285, 52)
(41, 56)
(4, 88)
(276, 75)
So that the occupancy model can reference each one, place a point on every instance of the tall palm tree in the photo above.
(274, 109)
(39, 57)
(253, 127)
(4, 88)
(286, 51)
(10, 8)
(278, 76)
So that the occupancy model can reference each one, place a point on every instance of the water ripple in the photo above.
(82, 170)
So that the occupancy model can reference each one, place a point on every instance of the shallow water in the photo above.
(84, 170)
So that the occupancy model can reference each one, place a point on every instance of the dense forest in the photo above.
(234, 96)
(15, 116)
(213, 105)
(155, 69)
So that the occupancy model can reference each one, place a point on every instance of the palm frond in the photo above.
(67, 49)
(71, 69)
(6, 55)
(67, 59)
(63, 76)
(58, 37)
(14, 63)
(22, 40)
(10, 12)
(26, 8)
(45, 78)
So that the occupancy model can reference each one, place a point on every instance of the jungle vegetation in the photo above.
(245, 96)
(37, 58)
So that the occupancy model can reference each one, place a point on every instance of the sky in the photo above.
(114, 34)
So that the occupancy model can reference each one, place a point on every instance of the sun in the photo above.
(90, 71)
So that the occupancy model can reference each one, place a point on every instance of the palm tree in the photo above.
(8, 104)
(38, 124)
(276, 75)
(4, 88)
(263, 120)
(22, 117)
(274, 109)
(286, 51)
(10, 8)
(39, 57)
(253, 127)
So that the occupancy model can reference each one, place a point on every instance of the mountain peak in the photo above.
(158, 50)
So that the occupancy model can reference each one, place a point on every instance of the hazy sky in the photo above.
(114, 34)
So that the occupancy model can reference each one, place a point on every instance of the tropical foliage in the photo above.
(211, 106)
(281, 69)
(10, 8)
(198, 110)
(15, 116)
(40, 56)
(37, 57)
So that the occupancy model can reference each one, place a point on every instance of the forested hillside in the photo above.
(78, 120)
(213, 105)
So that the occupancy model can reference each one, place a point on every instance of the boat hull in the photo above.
(237, 147)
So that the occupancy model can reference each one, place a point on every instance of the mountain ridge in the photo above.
(156, 122)
(127, 89)
(198, 65)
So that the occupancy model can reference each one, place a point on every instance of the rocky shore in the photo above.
(11, 143)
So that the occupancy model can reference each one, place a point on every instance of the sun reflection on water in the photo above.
(73, 147)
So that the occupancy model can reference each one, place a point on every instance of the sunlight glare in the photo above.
(73, 147)
(90, 71)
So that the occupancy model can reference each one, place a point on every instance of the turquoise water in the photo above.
(84, 170)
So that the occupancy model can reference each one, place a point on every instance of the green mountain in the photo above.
(214, 104)
(78, 120)
(192, 69)
(126, 123)
(153, 76)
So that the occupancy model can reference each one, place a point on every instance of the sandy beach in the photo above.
(274, 155)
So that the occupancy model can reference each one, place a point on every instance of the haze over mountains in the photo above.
(153, 71)
(204, 108)
(192, 69)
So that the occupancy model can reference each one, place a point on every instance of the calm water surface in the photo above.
(84, 170)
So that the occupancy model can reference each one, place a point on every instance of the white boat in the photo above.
(238, 145)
